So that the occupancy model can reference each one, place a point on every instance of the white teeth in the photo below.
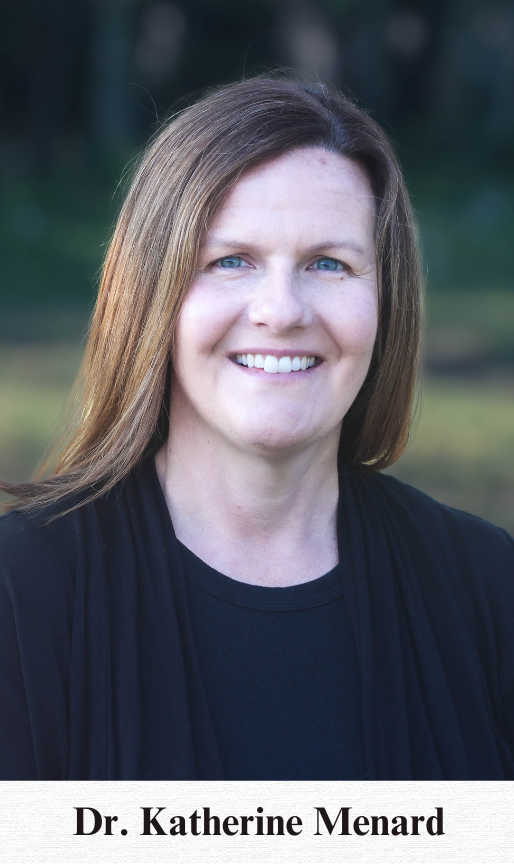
(271, 363)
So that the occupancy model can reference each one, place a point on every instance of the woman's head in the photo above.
(186, 175)
(285, 278)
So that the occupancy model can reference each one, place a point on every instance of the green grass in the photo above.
(462, 452)
(35, 380)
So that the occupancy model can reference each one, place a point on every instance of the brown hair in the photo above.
(120, 401)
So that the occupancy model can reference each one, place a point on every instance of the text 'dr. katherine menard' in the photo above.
(206, 822)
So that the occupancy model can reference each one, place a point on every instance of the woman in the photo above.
(249, 372)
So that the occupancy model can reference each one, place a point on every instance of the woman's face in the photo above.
(275, 336)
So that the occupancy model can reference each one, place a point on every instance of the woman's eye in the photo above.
(329, 264)
(230, 262)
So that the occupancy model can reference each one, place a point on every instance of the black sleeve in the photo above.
(36, 606)
(508, 717)
(17, 758)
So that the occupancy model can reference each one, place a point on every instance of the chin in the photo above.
(273, 438)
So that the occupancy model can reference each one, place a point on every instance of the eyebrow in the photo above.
(226, 243)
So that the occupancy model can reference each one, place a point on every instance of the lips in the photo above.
(272, 364)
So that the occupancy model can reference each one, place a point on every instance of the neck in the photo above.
(267, 519)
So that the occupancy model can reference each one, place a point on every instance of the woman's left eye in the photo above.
(329, 264)
(230, 262)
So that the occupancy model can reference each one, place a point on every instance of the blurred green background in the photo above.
(84, 83)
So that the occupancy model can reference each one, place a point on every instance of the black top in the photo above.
(99, 676)
(280, 674)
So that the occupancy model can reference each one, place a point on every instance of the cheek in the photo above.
(354, 325)
(204, 321)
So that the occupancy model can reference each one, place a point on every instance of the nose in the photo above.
(278, 302)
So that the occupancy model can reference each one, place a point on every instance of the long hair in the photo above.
(120, 405)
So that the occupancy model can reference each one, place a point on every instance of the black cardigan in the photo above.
(98, 673)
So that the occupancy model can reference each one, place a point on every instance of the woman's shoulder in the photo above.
(54, 541)
(475, 548)
(37, 547)
(433, 514)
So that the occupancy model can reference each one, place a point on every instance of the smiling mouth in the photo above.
(270, 363)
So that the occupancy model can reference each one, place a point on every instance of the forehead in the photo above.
(304, 186)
